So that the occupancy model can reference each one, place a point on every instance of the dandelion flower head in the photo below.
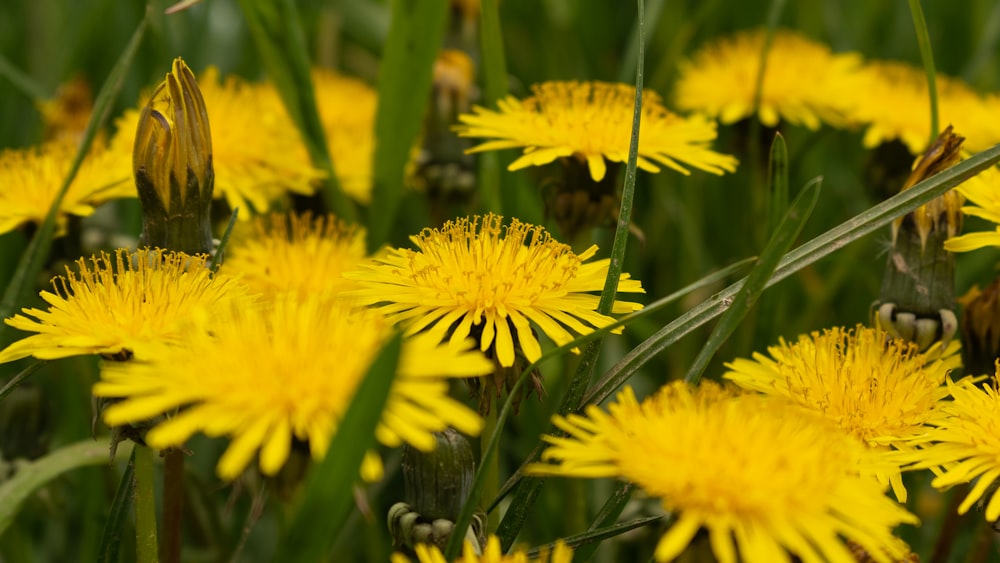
(983, 193)
(892, 101)
(765, 479)
(592, 121)
(120, 303)
(31, 179)
(287, 370)
(881, 393)
(347, 110)
(804, 82)
(476, 276)
(257, 154)
(966, 444)
(426, 553)
(296, 253)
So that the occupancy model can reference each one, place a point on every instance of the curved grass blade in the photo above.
(404, 87)
(38, 249)
(277, 32)
(21, 81)
(604, 520)
(19, 378)
(820, 247)
(34, 475)
(927, 57)
(594, 537)
(220, 251)
(327, 498)
(782, 239)
(107, 551)
(526, 494)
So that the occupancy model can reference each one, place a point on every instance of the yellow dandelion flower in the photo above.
(296, 253)
(592, 121)
(765, 479)
(561, 553)
(893, 101)
(31, 178)
(119, 304)
(966, 444)
(256, 150)
(267, 374)
(983, 192)
(804, 83)
(882, 393)
(474, 276)
(347, 109)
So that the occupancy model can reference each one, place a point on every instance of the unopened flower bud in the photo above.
(172, 163)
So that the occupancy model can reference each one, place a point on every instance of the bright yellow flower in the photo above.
(496, 281)
(765, 479)
(983, 192)
(347, 108)
(805, 83)
(31, 178)
(561, 553)
(592, 121)
(287, 370)
(893, 100)
(880, 392)
(257, 152)
(296, 253)
(120, 304)
(966, 444)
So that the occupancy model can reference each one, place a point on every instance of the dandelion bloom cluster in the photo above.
(31, 178)
(120, 303)
(765, 479)
(257, 152)
(804, 82)
(287, 370)
(296, 253)
(561, 553)
(592, 121)
(476, 276)
(347, 109)
(880, 392)
(965, 444)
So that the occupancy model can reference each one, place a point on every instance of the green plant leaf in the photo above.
(594, 537)
(820, 247)
(111, 537)
(19, 378)
(34, 475)
(327, 497)
(782, 239)
(38, 249)
(404, 87)
(604, 521)
(277, 31)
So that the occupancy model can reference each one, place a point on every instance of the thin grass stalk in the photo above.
(525, 496)
(20, 377)
(21, 81)
(927, 56)
(494, 67)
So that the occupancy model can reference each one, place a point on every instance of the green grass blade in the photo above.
(604, 522)
(823, 245)
(19, 378)
(927, 56)
(526, 494)
(404, 88)
(778, 181)
(327, 498)
(32, 476)
(38, 249)
(220, 251)
(111, 538)
(21, 81)
(494, 67)
(595, 537)
(277, 31)
(781, 241)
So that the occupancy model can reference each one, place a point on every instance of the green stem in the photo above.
(490, 465)
(173, 504)
(145, 506)
(927, 55)
(20, 377)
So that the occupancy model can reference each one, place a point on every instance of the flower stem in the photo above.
(490, 464)
(173, 504)
(145, 506)
(927, 55)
